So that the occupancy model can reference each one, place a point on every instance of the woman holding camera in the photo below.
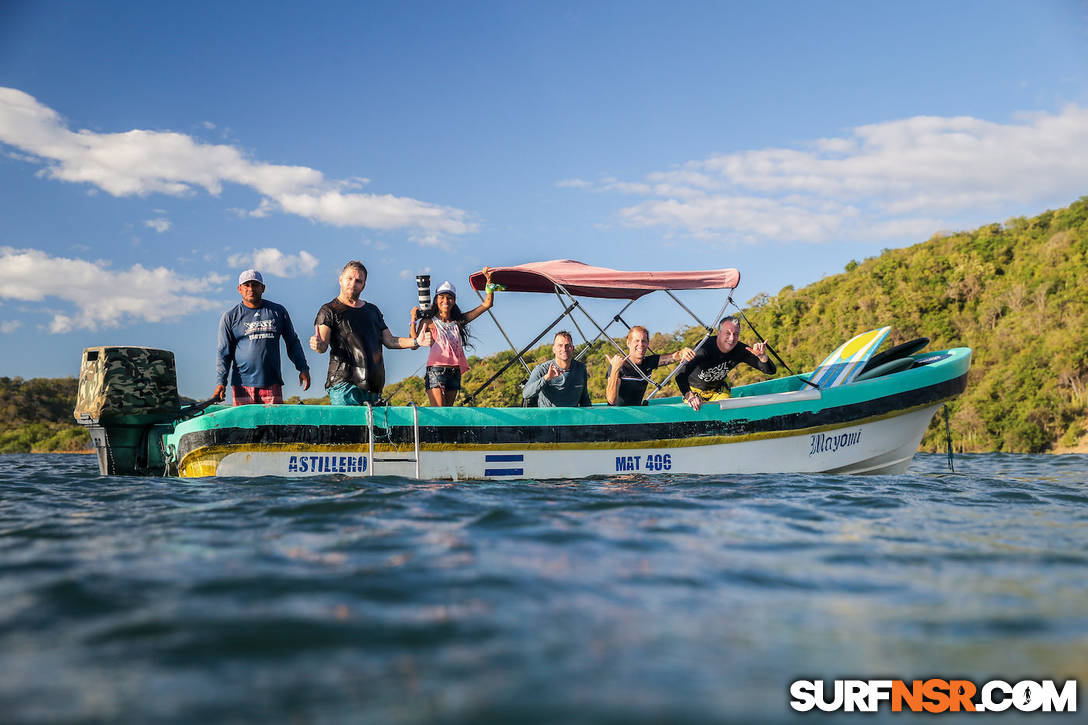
(448, 325)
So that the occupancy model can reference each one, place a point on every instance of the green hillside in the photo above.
(1009, 291)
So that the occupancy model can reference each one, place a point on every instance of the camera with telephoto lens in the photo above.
(423, 284)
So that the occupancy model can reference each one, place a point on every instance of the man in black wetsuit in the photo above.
(704, 377)
(625, 386)
(353, 331)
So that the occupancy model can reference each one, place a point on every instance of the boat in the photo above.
(866, 415)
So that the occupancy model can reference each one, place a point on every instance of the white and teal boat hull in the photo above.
(777, 426)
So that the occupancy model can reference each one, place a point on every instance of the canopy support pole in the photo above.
(508, 340)
(601, 333)
(604, 332)
(559, 297)
(693, 315)
(589, 343)
(522, 352)
(706, 337)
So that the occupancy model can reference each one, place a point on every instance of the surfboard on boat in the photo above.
(843, 365)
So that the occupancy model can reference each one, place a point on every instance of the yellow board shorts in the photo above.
(710, 397)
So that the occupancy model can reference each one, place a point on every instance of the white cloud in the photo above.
(886, 180)
(140, 162)
(274, 262)
(9, 326)
(103, 297)
(160, 225)
(749, 218)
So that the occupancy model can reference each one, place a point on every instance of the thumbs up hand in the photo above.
(318, 342)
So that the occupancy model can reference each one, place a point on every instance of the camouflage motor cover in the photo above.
(126, 381)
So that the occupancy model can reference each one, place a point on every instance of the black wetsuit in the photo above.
(632, 385)
(710, 367)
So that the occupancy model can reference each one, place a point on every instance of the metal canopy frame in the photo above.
(570, 303)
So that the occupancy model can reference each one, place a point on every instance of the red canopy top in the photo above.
(583, 280)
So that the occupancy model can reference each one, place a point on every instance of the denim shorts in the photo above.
(441, 376)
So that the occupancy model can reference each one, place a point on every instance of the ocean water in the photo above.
(626, 599)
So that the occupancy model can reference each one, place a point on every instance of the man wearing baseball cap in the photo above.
(249, 347)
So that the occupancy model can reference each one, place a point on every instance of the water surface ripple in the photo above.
(627, 599)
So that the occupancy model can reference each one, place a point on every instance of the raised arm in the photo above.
(319, 341)
(615, 364)
(537, 379)
(681, 355)
(489, 300)
(413, 326)
(757, 358)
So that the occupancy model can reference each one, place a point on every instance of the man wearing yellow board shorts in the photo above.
(709, 396)
(704, 377)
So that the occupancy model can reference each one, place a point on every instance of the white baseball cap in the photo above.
(250, 275)
(446, 289)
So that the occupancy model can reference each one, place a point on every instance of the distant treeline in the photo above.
(36, 415)
(1010, 291)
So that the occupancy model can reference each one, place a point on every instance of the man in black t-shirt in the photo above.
(353, 331)
(704, 378)
(625, 385)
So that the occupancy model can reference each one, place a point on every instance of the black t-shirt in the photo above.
(632, 385)
(710, 367)
(355, 344)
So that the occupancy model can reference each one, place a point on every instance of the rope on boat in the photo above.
(770, 349)
(948, 437)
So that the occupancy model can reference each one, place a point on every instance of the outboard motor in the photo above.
(128, 399)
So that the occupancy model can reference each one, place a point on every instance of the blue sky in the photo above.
(151, 151)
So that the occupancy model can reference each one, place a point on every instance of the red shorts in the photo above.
(246, 395)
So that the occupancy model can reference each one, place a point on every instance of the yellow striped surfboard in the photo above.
(843, 365)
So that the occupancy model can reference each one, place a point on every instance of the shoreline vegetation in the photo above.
(1008, 291)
